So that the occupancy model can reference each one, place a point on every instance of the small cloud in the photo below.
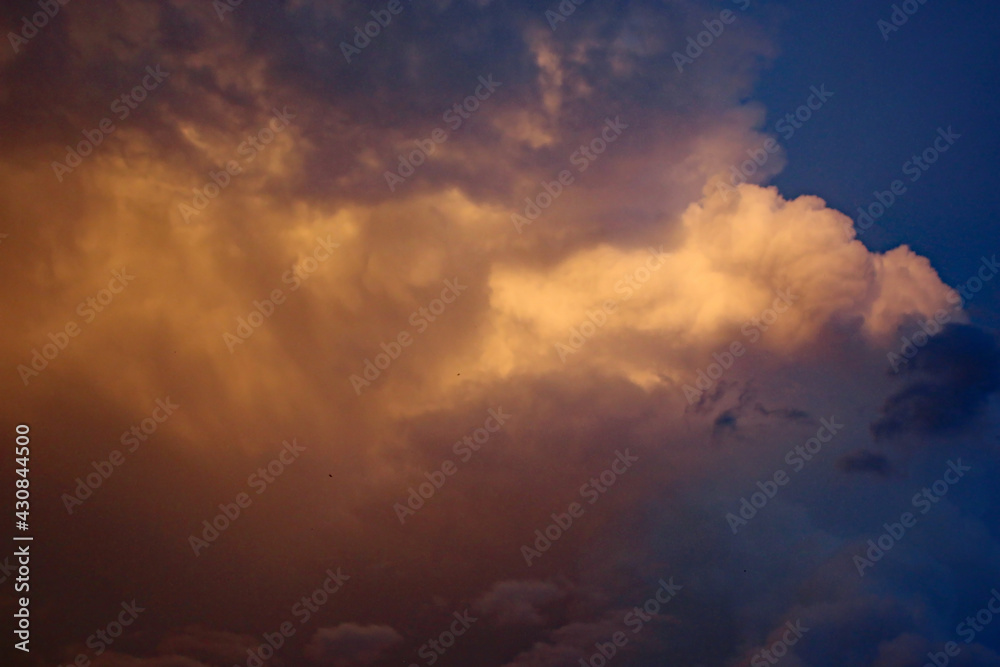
(351, 644)
(864, 461)
(518, 602)
(726, 422)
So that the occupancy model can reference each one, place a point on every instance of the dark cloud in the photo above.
(948, 384)
(784, 413)
(725, 423)
(865, 461)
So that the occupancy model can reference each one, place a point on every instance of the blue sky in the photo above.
(939, 69)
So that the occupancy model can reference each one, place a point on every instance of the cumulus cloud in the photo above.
(725, 267)
(689, 273)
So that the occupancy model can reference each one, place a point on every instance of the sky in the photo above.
(469, 332)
